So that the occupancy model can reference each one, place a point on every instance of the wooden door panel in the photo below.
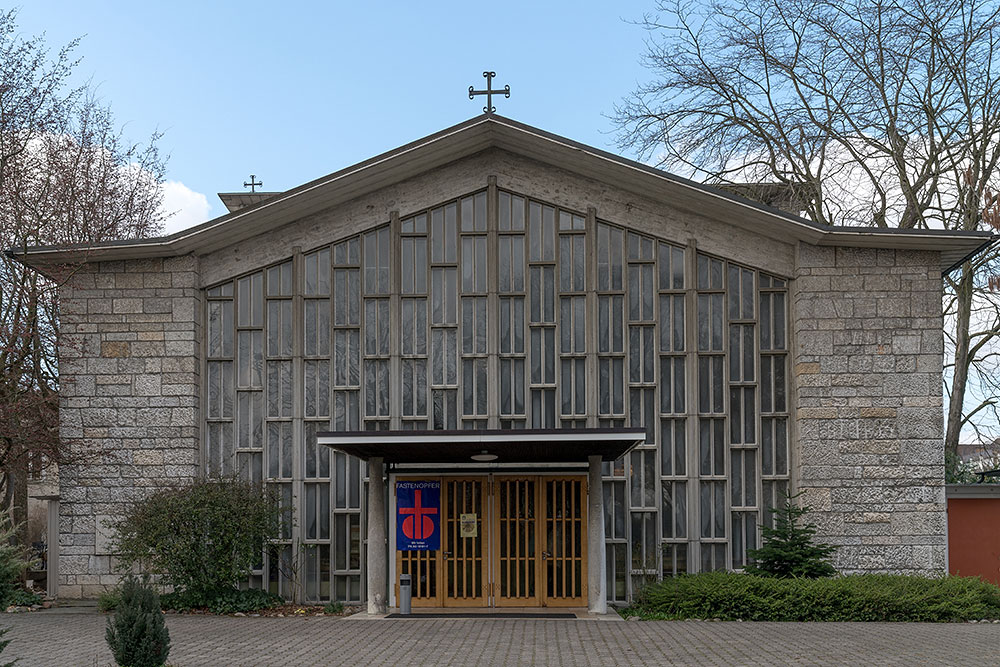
(515, 563)
(423, 568)
(531, 545)
(564, 540)
(464, 558)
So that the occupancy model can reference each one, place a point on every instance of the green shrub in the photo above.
(244, 601)
(202, 538)
(14, 559)
(334, 608)
(23, 598)
(871, 597)
(223, 601)
(789, 549)
(137, 634)
(109, 599)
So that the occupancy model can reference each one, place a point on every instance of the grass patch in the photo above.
(871, 597)
(109, 599)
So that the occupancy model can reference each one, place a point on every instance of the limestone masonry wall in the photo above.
(867, 328)
(129, 384)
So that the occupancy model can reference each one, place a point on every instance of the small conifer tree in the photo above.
(789, 549)
(137, 634)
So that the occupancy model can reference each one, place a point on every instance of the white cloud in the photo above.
(188, 208)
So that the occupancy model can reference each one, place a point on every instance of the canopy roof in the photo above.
(564, 445)
(493, 131)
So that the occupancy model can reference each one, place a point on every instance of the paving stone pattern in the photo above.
(46, 638)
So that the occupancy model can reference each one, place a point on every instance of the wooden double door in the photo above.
(507, 541)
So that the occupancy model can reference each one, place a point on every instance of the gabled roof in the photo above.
(492, 131)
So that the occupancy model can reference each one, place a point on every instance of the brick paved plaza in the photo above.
(60, 638)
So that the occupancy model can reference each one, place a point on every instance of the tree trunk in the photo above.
(15, 498)
(960, 376)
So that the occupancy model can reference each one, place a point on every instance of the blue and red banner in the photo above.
(418, 515)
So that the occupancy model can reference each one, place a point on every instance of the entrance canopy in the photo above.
(567, 445)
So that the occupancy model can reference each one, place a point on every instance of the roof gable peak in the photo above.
(496, 131)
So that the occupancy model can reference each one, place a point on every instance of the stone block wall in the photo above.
(129, 363)
(867, 363)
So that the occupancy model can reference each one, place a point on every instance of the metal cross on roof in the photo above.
(489, 92)
(252, 185)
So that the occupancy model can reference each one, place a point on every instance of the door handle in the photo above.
(447, 554)
(546, 555)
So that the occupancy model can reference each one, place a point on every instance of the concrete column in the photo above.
(597, 594)
(377, 561)
(52, 557)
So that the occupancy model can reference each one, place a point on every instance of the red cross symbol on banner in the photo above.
(418, 525)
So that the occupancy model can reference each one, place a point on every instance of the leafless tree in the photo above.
(67, 175)
(871, 112)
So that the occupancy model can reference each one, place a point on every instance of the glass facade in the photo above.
(499, 311)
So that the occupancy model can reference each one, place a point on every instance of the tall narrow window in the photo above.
(643, 412)
(673, 402)
(345, 475)
(610, 322)
(250, 377)
(413, 385)
(743, 477)
(774, 415)
(279, 394)
(444, 317)
(572, 320)
(376, 327)
(220, 398)
(711, 383)
(511, 304)
(474, 325)
(542, 315)
(347, 336)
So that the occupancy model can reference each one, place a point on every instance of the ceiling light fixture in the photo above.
(484, 456)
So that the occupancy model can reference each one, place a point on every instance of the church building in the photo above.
(522, 370)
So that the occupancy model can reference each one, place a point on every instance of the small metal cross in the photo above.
(489, 92)
(252, 185)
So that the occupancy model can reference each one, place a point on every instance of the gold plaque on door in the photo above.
(469, 526)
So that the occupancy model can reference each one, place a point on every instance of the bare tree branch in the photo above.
(67, 175)
(872, 112)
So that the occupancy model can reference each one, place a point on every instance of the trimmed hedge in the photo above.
(731, 596)
(222, 601)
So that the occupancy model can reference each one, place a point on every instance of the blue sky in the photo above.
(292, 91)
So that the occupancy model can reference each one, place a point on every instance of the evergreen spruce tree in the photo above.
(137, 634)
(789, 549)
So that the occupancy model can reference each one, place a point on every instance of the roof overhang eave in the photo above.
(484, 132)
(386, 169)
(518, 446)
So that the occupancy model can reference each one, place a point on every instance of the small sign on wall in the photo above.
(469, 525)
(418, 515)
